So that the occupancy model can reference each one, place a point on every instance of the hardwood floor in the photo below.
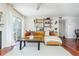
(5, 50)
(71, 46)
(68, 44)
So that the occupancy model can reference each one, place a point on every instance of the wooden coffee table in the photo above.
(23, 42)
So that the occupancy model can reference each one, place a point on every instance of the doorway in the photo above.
(62, 27)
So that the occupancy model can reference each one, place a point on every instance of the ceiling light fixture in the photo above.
(38, 6)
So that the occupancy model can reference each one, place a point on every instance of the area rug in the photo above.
(31, 50)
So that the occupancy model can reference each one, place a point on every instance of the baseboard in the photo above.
(69, 38)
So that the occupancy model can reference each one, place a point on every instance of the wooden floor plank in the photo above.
(5, 50)
(71, 46)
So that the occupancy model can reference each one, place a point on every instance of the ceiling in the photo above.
(47, 9)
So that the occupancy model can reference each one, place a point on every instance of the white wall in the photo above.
(7, 20)
(29, 23)
(72, 23)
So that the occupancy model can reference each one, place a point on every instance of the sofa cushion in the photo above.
(27, 33)
(54, 34)
(39, 33)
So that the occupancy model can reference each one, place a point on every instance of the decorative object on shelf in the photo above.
(48, 18)
(60, 18)
(46, 24)
(34, 21)
(56, 22)
(39, 24)
(55, 28)
(42, 24)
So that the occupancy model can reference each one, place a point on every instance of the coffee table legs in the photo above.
(25, 45)
(38, 45)
(20, 45)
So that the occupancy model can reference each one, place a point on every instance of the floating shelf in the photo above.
(46, 23)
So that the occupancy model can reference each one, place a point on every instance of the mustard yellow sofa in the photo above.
(38, 35)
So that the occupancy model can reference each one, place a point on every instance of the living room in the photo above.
(63, 17)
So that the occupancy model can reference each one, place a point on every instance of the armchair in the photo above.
(77, 34)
